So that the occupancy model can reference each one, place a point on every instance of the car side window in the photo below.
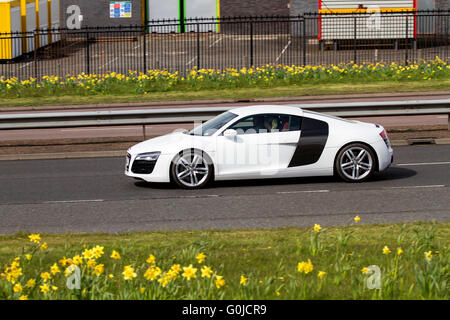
(264, 123)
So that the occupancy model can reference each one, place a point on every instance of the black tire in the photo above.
(188, 180)
(359, 168)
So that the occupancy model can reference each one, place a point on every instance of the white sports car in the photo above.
(263, 142)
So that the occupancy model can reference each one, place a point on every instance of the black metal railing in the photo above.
(233, 42)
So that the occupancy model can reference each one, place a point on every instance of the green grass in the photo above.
(268, 258)
(233, 94)
(209, 84)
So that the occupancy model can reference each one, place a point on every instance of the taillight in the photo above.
(385, 138)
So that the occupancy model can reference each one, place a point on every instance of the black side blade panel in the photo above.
(314, 136)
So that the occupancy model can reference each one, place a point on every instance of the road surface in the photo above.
(93, 195)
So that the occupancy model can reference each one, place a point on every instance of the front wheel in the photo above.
(191, 169)
(355, 163)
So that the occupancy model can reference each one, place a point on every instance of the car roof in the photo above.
(247, 111)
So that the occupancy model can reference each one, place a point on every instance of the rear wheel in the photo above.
(191, 169)
(355, 163)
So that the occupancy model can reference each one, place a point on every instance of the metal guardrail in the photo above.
(186, 115)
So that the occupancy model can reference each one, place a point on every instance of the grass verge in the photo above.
(234, 94)
(292, 263)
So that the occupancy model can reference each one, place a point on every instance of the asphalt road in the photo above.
(93, 195)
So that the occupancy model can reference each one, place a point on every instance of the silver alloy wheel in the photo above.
(191, 169)
(356, 163)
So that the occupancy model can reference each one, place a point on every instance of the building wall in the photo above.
(301, 6)
(96, 13)
(230, 8)
(443, 4)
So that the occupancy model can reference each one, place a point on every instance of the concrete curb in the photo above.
(64, 155)
(122, 153)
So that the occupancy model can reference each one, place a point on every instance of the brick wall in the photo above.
(443, 4)
(301, 6)
(253, 7)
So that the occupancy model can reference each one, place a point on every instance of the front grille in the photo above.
(143, 167)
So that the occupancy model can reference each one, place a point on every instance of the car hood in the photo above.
(171, 143)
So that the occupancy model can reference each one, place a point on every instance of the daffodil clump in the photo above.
(196, 79)
(319, 262)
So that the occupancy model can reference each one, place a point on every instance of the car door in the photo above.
(264, 146)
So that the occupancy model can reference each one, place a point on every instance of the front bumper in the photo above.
(150, 171)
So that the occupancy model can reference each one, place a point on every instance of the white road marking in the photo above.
(74, 201)
(210, 46)
(200, 196)
(192, 60)
(304, 191)
(109, 62)
(215, 42)
(423, 163)
(283, 51)
(26, 65)
(416, 187)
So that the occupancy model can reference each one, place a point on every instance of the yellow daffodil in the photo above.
(386, 250)
(243, 280)
(99, 269)
(91, 264)
(206, 272)
(35, 238)
(30, 283)
(151, 259)
(176, 268)
(357, 219)
(321, 274)
(88, 254)
(152, 273)
(189, 272)
(17, 288)
(220, 282)
(200, 257)
(115, 255)
(45, 288)
(128, 273)
(428, 255)
(46, 276)
(317, 227)
(305, 267)
(97, 251)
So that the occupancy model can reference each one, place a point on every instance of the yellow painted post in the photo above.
(38, 25)
(143, 8)
(49, 24)
(218, 14)
(5, 27)
(23, 18)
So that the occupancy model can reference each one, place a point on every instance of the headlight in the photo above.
(149, 156)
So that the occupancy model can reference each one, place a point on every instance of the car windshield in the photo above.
(211, 126)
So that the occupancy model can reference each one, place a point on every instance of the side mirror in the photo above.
(230, 133)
